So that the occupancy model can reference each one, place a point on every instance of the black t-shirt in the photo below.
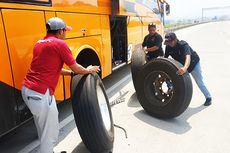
(153, 40)
(179, 53)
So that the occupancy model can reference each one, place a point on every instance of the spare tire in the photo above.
(138, 59)
(92, 113)
(161, 92)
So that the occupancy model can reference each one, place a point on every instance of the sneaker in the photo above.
(208, 101)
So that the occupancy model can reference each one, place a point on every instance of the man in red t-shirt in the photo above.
(49, 55)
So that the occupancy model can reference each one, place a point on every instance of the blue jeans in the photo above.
(197, 75)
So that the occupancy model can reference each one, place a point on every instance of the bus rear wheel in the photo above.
(92, 113)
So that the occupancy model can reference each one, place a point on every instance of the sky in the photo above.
(184, 9)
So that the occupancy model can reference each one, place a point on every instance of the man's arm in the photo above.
(166, 55)
(187, 54)
(159, 41)
(183, 69)
(66, 72)
(151, 49)
(78, 69)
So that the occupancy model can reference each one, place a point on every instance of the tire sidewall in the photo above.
(88, 115)
(179, 101)
(138, 59)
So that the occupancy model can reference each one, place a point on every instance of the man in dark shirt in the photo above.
(152, 43)
(183, 53)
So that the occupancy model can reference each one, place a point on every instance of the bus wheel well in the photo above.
(88, 57)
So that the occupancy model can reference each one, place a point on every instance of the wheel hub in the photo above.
(161, 88)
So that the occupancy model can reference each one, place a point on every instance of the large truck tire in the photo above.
(161, 92)
(138, 59)
(92, 113)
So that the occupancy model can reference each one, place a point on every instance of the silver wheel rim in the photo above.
(103, 108)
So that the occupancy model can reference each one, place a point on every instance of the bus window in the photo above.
(151, 4)
(36, 2)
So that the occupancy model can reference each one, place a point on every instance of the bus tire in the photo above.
(92, 113)
(138, 59)
(161, 92)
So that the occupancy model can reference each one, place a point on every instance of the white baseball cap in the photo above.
(56, 23)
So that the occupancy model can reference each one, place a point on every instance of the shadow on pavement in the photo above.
(18, 138)
(133, 101)
(177, 125)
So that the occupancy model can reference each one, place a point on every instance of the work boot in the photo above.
(208, 101)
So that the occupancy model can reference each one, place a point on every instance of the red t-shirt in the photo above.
(49, 55)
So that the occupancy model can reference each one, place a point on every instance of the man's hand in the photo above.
(145, 49)
(93, 69)
(79, 69)
(150, 49)
(181, 71)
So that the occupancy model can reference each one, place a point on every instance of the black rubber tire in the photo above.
(138, 59)
(150, 93)
(97, 136)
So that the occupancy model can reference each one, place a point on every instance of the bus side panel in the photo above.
(104, 6)
(145, 21)
(135, 34)
(48, 15)
(106, 61)
(23, 28)
(82, 24)
(73, 5)
(83, 6)
(8, 108)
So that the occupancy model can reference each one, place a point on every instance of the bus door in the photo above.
(118, 29)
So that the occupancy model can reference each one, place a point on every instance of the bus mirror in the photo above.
(167, 9)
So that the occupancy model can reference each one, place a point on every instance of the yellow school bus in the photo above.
(105, 32)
